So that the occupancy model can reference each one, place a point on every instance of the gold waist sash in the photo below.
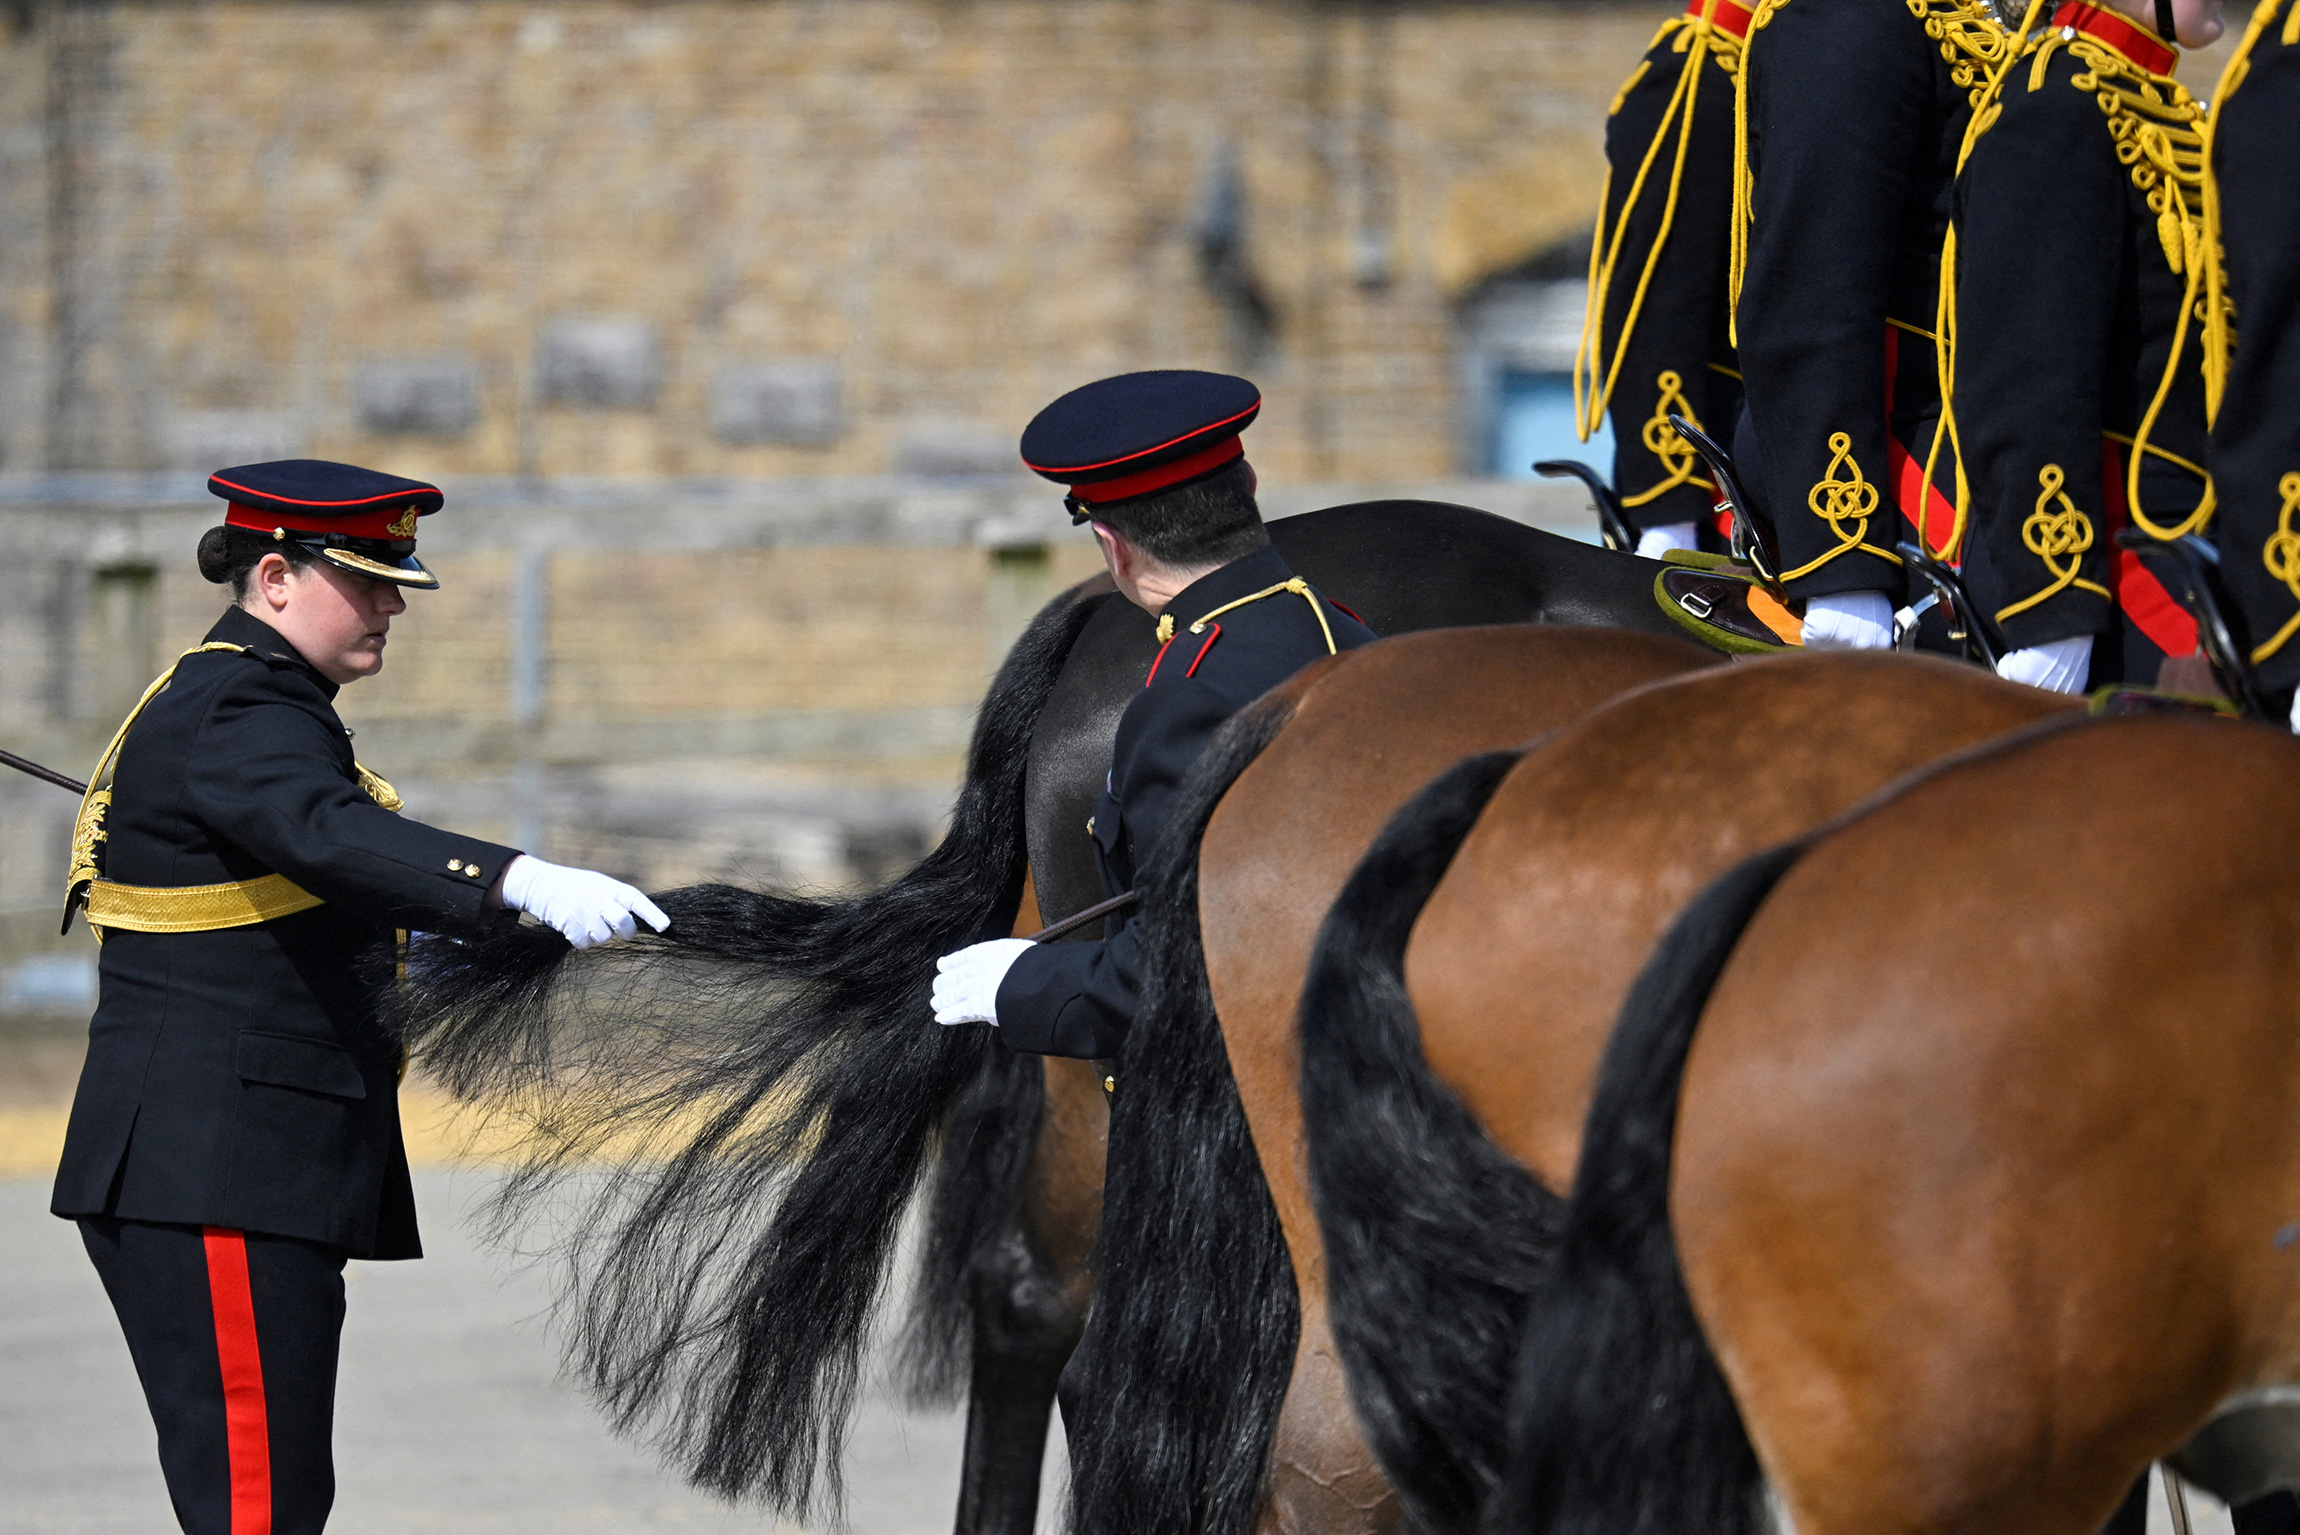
(195, 908)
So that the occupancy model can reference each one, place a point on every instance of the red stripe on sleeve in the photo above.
(247, 1432)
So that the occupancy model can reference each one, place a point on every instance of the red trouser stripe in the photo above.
(2154, 611)
(247, 1433)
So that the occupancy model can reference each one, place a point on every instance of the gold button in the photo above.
(1110, 1084)
(454, 865)
(471, 869)
(1090, 826)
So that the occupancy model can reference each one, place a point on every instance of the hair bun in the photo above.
(215, 556)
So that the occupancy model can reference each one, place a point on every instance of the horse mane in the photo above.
(1184, 1366)
(718, 1129)
(1621, 1422)
(1434, 1236)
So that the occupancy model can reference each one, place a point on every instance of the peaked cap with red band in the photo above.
(1139, 433)
(359, 519)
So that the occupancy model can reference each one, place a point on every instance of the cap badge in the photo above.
(405, 526)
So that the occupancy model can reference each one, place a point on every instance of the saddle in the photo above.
(1724, 605)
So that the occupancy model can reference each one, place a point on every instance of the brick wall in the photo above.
(763, 237)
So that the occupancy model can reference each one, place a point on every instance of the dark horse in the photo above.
(774, 1093)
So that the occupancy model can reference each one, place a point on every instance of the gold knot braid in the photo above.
(2281, 554)
(2059, 536)
(1661, 439)
(1840, 501)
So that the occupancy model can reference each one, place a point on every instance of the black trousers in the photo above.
(235, 1336)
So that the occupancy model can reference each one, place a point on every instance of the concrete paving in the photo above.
(449, 1416)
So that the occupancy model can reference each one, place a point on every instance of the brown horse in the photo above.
(1192, 1342)
(1984, 1186)
(1531, 887)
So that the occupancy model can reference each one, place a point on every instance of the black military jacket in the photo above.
(1078, 998)
(2255, 447)
(1662, 341)
(238, 1077)
(2068, 308)
(1857, 110)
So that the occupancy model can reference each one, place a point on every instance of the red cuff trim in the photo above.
(1188, 467)
(2140, 47)
(247, 1430)
(391, 521)
(1725, 15)
(1214, 633)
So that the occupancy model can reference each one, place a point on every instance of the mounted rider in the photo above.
(2078, 360)
(1852, 112)
(1155, 465)
(2253, 206)
(1657, 339)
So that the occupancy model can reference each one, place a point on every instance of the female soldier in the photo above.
(236, 1134)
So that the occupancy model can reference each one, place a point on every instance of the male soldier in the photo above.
(235, 1136)
(1657, 339)
(1155, 465)
(2255, 449)
(1855, 111)
(2078, 372)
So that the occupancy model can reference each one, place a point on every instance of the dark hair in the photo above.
(1209, 521)
(229, 554)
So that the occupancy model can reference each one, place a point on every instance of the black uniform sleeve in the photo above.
(1663, 344)
(1839, 96)
(1078, 998)
(2041, 242)
(2256, 436)
(267, 774)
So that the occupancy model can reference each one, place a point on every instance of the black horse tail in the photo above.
(1434, 1236)
(1621, 1423)
(1177, 1383)
(727, 1123)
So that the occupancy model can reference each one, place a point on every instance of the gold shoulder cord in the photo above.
(1297, 586)
(1595, 372)
(2281, 552)
(182, 908)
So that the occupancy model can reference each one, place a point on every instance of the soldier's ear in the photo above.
(268, 581)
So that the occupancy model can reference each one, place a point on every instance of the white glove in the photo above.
(2296, 714)
(1662, 537)
(966, 983)
(1849, 621)
(587, 907)
(2058, 665)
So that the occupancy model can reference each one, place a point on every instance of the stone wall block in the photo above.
(797, 402)
(416, 396)
(608, 362)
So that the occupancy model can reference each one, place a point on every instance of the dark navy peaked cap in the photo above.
(1139, 433)
(360, 519)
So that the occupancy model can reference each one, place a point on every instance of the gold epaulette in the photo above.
(181, 908)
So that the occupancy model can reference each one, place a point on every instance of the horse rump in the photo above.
(1621, 1422)
(719, 1129)
(1433, 1234)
